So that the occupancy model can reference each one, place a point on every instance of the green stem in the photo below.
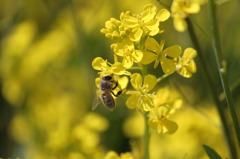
(146, 133)
(218, 57)
(162, 77)
(146, 136)
(135, 68)
(220, 107)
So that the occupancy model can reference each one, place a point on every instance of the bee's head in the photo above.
(107, 77)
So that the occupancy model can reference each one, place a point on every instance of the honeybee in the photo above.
(105, 93)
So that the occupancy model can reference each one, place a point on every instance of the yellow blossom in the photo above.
(186, 64)
(126, 50)
(145, 23)
(167, 102)
(107, 69)
(114, 30)
(159, 121)
(155, 52)
(141, 99)
(181, 9)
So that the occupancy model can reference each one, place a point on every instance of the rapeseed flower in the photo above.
(166, 103)
(166, 57)
(181, 9)
(107, 68)
(141, 98)
(145, 23)
(126, 50)
(158, 120)
(186, 65)
(114, 30)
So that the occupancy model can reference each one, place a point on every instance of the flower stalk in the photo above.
(146, 136)
(162, 77)
(146, 131)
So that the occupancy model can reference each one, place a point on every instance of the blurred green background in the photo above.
(47, 83)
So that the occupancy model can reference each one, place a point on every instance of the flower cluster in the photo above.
(134, 47)
(181, 9)
(167, 102)
(131, 30)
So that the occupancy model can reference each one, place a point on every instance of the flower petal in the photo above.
(97, 81)
(192, 8)
(130, 21)
(136, 34)
(154, 31)
(118, 69)
(132, 101)
(163, 15)
(171, 126)
(152, 25)
(123, 82)
(152, 45)
(173, 51)
(192, 67)
(162, 96)
(184, 72)
(153, 123)
(179, 24)
(189, 53)
(98, 63)
(147, 102)
(148, 57)
(149, 82)
(137, 55)
(149, 13)
(136, 80)
(168, 66)
(127, 62)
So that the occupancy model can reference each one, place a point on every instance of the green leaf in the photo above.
(212, 154)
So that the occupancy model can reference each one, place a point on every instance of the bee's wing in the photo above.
(96, 100)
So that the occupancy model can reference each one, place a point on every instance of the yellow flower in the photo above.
(168, 97)
(126, 50)
(159, 121)
(107, 69)
(167, 102)
(186, 64)
(145, 23)
(114, 30)
(155, 51)
(141, 99)
(114, 155)
(181, 9)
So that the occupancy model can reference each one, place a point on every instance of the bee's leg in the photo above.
(116, 84)
(118, 93)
